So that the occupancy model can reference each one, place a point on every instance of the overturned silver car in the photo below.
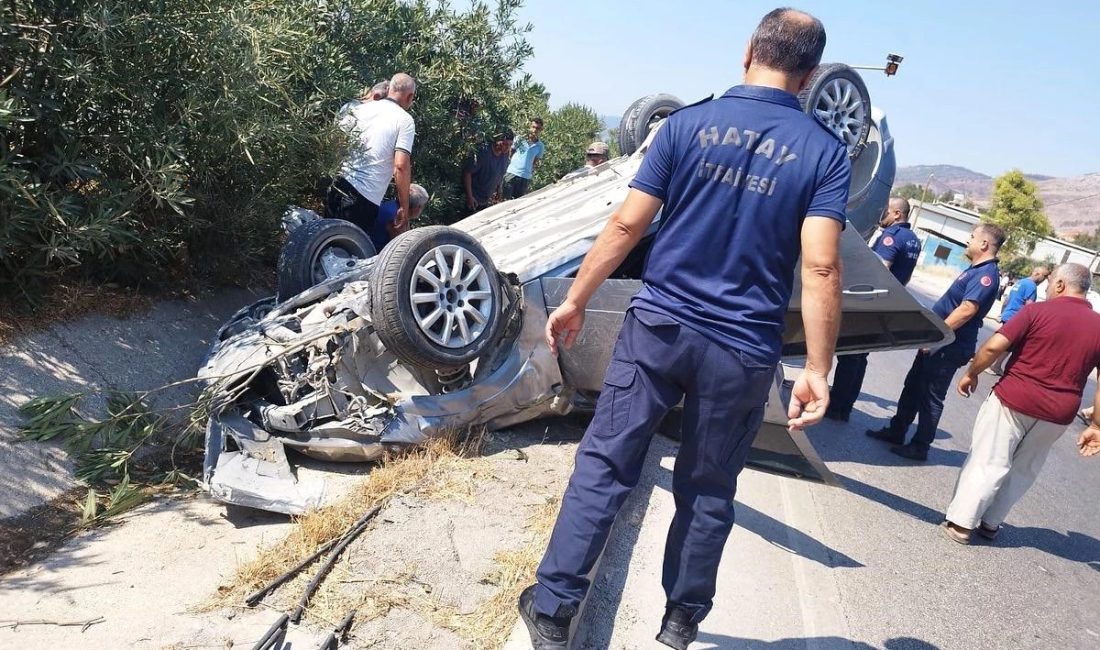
(443, 329)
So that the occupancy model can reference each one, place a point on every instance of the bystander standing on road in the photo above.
(963, 307)
(386, 226)
(899, 250)
(1056, 346)
(382, 134)
(483, 173)
(707, 325)
(1024, 293)
(594, 156)
(526, 154)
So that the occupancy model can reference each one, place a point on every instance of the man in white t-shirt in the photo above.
(382, 135)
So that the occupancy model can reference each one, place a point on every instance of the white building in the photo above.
(944, 230)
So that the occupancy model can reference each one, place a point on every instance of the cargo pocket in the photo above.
(739, 443)
(619, 386)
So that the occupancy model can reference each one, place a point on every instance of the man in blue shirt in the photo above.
(963, 307)
(1024, 292)
(526, 155)
(386, 226)
(899, 249)
(744, 183)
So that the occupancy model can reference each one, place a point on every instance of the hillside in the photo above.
(1072, 203)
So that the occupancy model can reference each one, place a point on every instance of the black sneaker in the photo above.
(836, 415)
(547, 633)
(886, 434)
(912, 452)
(677, 630)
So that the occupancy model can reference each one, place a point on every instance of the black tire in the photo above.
(299, 261)
(812, 97)
(396, 318)
(640, 117)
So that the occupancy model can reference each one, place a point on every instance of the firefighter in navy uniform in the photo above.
(963, 307)
(747, 182)
(899, 250)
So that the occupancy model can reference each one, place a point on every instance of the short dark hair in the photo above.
(994, 232)
(504, 134)
(788, 40)
(537, 120)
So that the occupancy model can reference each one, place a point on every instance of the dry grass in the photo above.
(67, 301)
(445, 468)
(488, 626)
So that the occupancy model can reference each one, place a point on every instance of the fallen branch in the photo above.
(83, 625)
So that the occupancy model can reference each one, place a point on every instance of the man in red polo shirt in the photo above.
(1056, 346)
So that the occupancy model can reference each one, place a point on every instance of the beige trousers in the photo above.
(1006, 453)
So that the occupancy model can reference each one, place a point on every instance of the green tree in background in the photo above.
(153, 142)
(1016, 207)
(568, 132)
(946, 197)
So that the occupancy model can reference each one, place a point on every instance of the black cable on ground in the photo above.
(274, 633)
(348, 537)
(262, 593)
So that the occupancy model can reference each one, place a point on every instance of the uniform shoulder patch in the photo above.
(701, 101)
(887, 241)
(986, 281)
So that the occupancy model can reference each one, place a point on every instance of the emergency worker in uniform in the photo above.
(963, 307)
(746, 182)
(899, 250)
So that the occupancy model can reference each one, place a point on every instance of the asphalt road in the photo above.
(903, 586)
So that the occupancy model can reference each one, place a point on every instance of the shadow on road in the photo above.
(1073, 546)
(892, 501)
(720, 642)
(785, 537)
(840, 441)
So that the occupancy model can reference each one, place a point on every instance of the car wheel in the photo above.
(319, 250)
(640, 117)
(246, 317)
(436, 298)
(837, 96)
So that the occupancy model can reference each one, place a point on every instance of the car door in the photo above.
(877, 314)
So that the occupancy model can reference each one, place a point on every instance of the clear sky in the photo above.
(985, 85)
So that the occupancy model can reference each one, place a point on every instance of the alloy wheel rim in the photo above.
(452, 300)
(840, 107)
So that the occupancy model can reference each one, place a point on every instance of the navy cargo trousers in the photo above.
(656, 362)
(925, 388)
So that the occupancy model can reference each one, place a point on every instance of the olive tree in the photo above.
(154, 142)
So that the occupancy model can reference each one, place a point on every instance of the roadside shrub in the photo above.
(149, 142)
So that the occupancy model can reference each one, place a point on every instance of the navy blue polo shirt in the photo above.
(899, 246)
(737, 176)
(979, 284)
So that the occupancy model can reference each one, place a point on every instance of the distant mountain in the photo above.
(1071, 203)
(946, 174)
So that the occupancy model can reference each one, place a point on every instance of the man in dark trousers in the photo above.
(963, 307)
(747, 182)
(899, 249)
(1056, 346)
